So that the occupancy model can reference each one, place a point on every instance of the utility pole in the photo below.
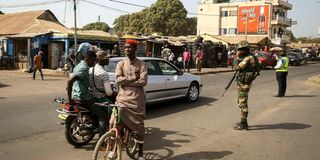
(99, 18)
(75, 24)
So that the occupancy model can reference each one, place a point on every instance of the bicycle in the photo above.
(111, 144)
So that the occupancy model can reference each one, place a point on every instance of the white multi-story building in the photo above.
(247, 18)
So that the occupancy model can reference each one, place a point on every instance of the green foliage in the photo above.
(308, 40)
(191, 28)
(292, 37)
(96, 26)
(165, 17)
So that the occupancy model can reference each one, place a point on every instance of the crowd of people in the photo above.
(89, 82)
(89, 85)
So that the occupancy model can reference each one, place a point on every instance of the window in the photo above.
(166, 68)
(152, 69)
(223, 31)
(224, 13)
(233, 13)
(232, 30)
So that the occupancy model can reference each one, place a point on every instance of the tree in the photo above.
(97, 26)
(191, 28)
(292, 37)
(165, 17)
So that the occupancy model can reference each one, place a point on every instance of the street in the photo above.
(280, 128)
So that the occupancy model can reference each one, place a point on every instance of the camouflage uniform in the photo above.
(246, 74)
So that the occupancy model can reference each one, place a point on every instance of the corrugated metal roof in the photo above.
(33, 23)
(25, 22)
(238, 38)
(26, 35)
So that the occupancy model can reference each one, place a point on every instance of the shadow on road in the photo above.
(294, 96)
(52, 79)
(4, 85)
(174, 106)
(202, 155)
(159, 147)
(288, 126)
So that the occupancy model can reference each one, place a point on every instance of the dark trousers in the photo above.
(102, 115)
(282, 83)
(34, 72)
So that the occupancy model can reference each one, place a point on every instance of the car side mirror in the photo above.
(180, 72)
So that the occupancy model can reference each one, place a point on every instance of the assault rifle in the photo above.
(229, 84)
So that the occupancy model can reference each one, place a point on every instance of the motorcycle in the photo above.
(81, 125)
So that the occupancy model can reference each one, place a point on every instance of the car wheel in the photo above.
(193, 92)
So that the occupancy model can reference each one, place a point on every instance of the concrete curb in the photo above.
(211, 72)
(57, 73)
(62, 73)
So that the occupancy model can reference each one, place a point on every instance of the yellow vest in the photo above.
(284, 66)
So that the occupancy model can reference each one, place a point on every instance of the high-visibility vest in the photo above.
(284, 66)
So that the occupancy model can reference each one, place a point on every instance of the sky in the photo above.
(305, 12)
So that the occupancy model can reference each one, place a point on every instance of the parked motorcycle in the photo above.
(81, 125)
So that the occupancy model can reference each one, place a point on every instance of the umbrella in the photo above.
(276, 49)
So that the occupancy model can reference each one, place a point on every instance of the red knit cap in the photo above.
(131, 42)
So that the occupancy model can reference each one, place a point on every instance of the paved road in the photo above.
(281, 128)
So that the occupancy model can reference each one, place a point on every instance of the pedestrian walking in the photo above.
(180, 62)
(37, 65)
(282, 73)
(165, 52)
(171, 57)
(199, 58)
(247, 70)
(186, 59)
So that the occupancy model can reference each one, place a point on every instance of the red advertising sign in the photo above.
(258, 17)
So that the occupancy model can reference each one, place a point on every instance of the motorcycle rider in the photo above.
(78, 89)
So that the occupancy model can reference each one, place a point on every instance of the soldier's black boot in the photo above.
(243, 125)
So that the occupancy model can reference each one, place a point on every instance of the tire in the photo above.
(112, 148)
(131, 146)
(193, 93)
(73, 137)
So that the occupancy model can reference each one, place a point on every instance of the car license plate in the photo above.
(63, 116)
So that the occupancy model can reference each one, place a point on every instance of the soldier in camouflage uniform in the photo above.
(247, 71)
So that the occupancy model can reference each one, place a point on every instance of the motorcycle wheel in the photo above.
(72, 131)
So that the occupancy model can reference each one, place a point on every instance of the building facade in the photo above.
(250, 18)
(23, 34)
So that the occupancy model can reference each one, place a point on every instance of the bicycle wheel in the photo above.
(108, 148)
(131, 145)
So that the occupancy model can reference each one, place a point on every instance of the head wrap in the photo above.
(101, 55)
(132, 42)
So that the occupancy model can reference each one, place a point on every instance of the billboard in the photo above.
(257, 18)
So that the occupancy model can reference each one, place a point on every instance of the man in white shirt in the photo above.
(100, 86)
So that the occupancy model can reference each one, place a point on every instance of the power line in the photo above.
(31, 4)
(131, 4)
(104, 6)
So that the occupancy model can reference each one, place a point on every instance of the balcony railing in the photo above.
(283, 3)
(281, 20)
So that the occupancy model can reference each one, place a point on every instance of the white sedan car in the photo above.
(165, 81)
